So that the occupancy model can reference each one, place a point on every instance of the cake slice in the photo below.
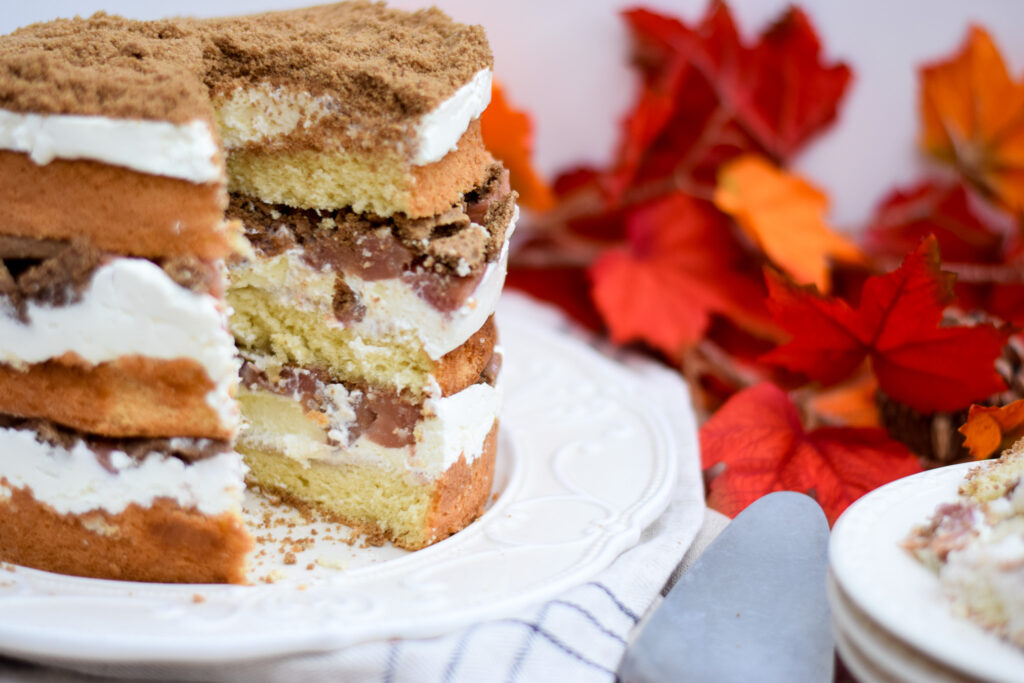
(320, 171)
(116, 365)
(352, 105)
(379, 241)
(976, 545)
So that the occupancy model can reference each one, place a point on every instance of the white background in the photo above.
(566, 62)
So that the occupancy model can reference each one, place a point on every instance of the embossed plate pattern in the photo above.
(899, 593)
(587, 458)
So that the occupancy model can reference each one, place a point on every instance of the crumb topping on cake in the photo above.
(380, 60)
(381, 67)
(105, 66)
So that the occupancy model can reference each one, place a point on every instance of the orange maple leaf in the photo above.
(990, 430)
(508, 134)
(784, 215)
(851, 403)
(972, 115)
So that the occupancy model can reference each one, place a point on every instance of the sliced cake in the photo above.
(116, 364)
(976, 545)
(362, 249)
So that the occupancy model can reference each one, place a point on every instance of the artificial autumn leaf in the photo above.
(1006, 301)
(851, 403)
(758, 437)
(708, 98)
(972, 241)
(564, 286)
(508, 135)
(793, 94)
(897, 326)
(991, 430)
(785, 217)
(906, 216)
(679, 268)
(972, 115)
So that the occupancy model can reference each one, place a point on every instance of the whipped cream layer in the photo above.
(73, 481)
(265, 114)
(439, 131)
(186, 151)
(452, 427)
(130, 307)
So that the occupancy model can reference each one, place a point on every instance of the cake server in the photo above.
(751, 608)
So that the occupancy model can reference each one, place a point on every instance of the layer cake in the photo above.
(277, 235)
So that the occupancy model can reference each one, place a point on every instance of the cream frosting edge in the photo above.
(73, 481)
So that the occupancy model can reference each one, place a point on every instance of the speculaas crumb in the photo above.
(137, 448)
(348, 307)
(15, 247)
(193, 274)
(460, 241)
(56, 272)
(381, 65)
(61, 279)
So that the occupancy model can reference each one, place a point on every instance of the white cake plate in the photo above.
(898, 593)
(589, 454)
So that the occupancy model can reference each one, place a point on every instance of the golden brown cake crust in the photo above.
(133, 396)
(460, 494)
(417, 191)
(458, 498)
(438, 186)
(383, 66)
(462, 367)
(113, 208)
(164, 543)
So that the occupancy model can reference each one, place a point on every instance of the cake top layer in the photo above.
(104, 66)
(375, 62)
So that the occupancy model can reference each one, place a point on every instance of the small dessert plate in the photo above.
(901, 595)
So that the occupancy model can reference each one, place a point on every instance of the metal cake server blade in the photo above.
(751, 608)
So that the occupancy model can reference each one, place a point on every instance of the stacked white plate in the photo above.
(890, 618)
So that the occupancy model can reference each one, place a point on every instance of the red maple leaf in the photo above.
(907, 216)
(968, 236)
(564, 286)
(708, 98)
(680, 266)
(1006, 301)
(758, 437)
(896, 325)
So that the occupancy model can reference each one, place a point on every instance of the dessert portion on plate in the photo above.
(276, 236)
(976, 545)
